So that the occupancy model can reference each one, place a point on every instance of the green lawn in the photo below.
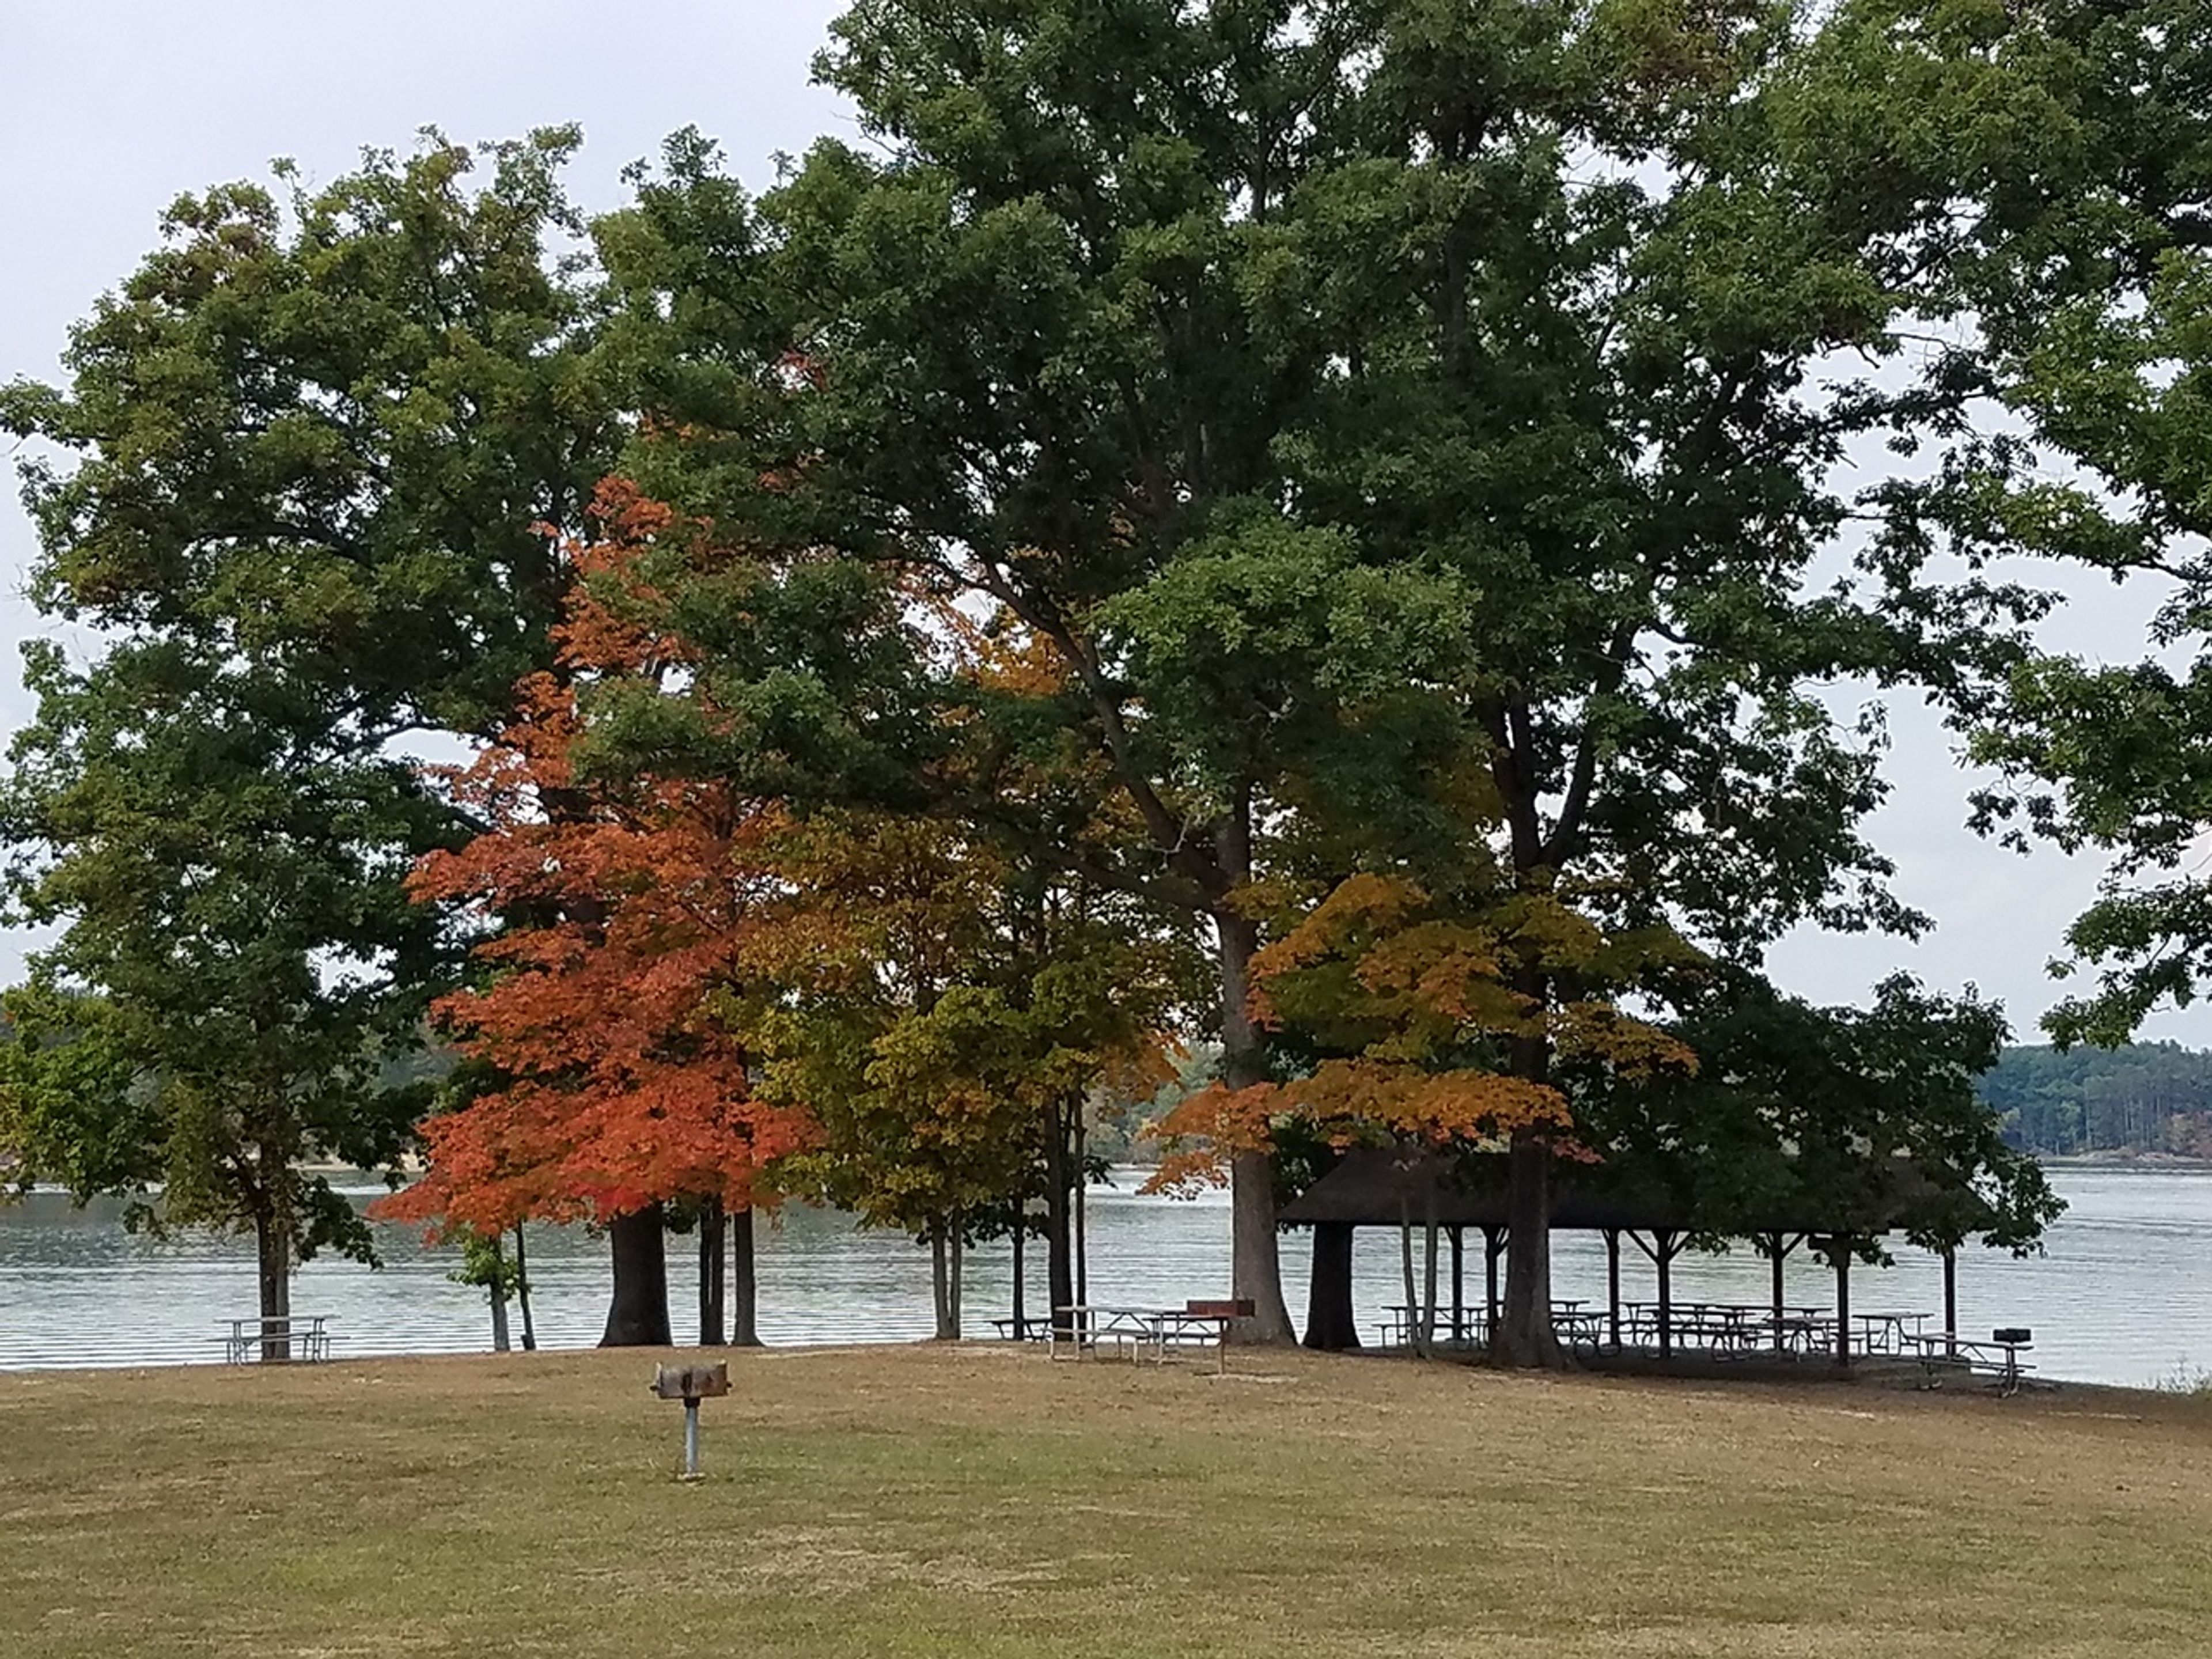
(982, 1501)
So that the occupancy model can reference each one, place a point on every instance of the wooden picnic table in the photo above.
(306, 1336)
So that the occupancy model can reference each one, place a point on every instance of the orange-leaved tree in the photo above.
(1406, 1009)
(629, 919)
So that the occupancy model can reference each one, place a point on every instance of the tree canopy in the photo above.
(1346, 531)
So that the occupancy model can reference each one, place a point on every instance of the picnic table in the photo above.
(1029, 1328)
(1734, 1327)
(1577, 1320)
(1888, 1333)
(1195, 1323)
(1471, 1325)
(306, 1336)
(1466, 1327)
(1998, 1359)
(1803, 1330)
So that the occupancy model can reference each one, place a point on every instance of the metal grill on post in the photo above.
(692, 1385)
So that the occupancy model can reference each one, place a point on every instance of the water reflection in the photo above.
(2116, 1299)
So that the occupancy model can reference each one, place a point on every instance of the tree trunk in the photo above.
(1081, 1249)
(1429, 1266)
(501, 1342)
(714, 1327)
(272, 1253)
(1524, 1336)
(1059, 1180)
(1405, 1268)
(637, 1315)
(744, 1289)
(522, 1293)
(1330, 1325)
(1020, 1310)
(941, 1282)
(1255, 1267)
(959, 1251)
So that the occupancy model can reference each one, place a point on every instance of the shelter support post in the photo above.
(1781, 1244)
(1843, 1259)
(1665, 1240)
(1775, 1243)
(1951, 1301)
(1494, 1245)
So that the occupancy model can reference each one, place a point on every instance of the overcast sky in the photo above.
(112, 107)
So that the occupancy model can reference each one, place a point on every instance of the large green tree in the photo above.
(295, 490)
(2071, 142)
(1342, 391)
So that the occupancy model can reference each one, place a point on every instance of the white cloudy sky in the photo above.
(111, 107)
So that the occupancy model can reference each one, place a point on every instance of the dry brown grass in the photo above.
(929, 1502)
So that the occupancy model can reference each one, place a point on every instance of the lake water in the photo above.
(2123, 1295)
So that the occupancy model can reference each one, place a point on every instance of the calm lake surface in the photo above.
(2122, 1296)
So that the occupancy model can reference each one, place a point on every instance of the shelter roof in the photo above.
(1378, 1187)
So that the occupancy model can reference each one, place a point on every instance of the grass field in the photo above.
(914, 1501)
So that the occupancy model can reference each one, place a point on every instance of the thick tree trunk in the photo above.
(940, 1283)
(959, 1252)
(1524, 1336)
(522, 1292)
(1330, 1325)
(637, 1315)
(714, 1327)
(744, 1289)
(272, 1253)
(1255, 1267)
(1063, 1165)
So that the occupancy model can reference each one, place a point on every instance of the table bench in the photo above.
(306, 1337)
(1029, 1328)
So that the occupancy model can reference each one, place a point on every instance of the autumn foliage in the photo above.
(631, 917)
(1411, 1007)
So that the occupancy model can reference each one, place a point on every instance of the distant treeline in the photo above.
(2145, 1097)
